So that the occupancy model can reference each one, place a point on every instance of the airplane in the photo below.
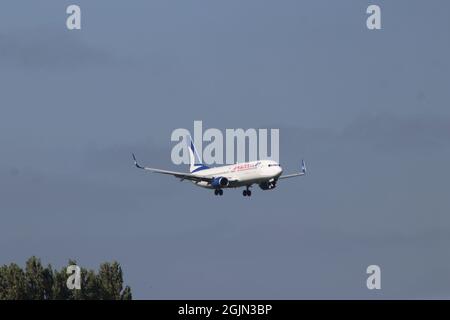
(264, 173)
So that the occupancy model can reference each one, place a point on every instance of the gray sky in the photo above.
(368, 110)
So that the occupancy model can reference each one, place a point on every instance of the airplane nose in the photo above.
(279, 170)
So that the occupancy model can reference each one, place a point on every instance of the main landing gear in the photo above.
(218, 192)
(246, 192)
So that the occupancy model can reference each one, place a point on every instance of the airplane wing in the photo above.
(180, 175)
(301, 173)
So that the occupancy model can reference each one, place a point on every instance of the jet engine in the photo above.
(219, 182)
(268, 185)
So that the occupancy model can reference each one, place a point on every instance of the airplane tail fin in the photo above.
(303, 167)
(195, 164)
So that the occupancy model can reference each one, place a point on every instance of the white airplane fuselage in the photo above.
(241, 174)
(264, 173)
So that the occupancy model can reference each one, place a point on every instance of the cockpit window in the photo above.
(274, 165)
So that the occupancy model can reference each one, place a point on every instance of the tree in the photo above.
(59, 288)
(44, 283)
(12, 283)
(34, 279)
(111, 283)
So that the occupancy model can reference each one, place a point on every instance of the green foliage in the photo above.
(45, 283)
(12, 283)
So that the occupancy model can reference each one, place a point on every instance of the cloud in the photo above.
(49, 49)
(389, 132)
(382, 133)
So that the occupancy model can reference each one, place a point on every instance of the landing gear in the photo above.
(246, 192)
(218, 192)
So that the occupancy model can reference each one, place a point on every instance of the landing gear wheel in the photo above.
(249, 193)
(244, 193)
(221, 192)
(216, 192)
